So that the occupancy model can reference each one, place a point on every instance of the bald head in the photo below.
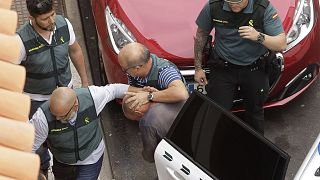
(61, 100)
(136, 114)
(133, 54)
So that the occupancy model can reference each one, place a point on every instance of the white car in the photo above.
(207, 142)
(310, 168)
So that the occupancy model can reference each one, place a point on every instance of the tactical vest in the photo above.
(231, 20)
(68, 143)
(47, 65)
(153, 76)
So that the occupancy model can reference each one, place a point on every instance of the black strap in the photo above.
(46, 75)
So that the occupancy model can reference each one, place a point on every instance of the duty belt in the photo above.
(253, 66)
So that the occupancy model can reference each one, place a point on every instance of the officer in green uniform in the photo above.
(245, 30)
(47, 42)
(159, 76)
(70, 123)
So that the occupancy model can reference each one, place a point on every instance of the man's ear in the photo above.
(138, 113)
(31, 18)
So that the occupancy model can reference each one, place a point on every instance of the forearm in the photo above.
(119, 89)
(199, 43)
(78, 62)
(134, 89)
(101, 95)
(276, 43)
(171, 95)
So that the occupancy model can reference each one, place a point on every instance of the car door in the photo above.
(208, 142)
(310, 168)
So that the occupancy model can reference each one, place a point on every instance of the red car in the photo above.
(167, 29)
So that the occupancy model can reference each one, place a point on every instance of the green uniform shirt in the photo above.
(228, 43)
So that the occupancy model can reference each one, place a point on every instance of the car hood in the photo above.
(171, 24)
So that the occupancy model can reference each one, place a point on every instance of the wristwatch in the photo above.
(261, 38)
(150, 96)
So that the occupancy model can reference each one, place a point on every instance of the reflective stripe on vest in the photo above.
(68, 143)
(47, 65)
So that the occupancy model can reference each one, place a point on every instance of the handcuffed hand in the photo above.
(139, 98)
(248, 32)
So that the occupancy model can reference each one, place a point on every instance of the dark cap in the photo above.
(233, 1)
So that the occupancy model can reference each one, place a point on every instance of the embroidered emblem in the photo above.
(87, 120)
(251, 23)
(275, 16)
(36, 48)
(61, 39)
(220, 21)
(58, 130)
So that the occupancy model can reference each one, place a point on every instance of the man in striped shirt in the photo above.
(160, 78)
(161, 82)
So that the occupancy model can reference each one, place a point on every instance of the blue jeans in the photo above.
(76, 172)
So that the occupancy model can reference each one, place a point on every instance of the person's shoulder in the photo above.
(38, 116)
(168, 69)
(269, 7)
(60, 17)
(63, 19)
(23, 27)
(214, 1)
(270, 11)
(207, 5)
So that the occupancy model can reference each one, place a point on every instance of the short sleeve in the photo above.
(272, 23)
(204, 19)
(167, 75)
(71, 32)
(22, 54)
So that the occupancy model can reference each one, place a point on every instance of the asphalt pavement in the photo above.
(295, 126)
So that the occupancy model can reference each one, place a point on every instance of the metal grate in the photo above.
(23, 15)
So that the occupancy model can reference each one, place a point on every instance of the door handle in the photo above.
(174, 174)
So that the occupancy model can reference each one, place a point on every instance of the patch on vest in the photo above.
(220, 21)
(36, 48)
(251, 23)
(61, 39)
(275, 16)
(58, 130)
(87, 120)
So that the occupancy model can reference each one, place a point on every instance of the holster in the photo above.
(207, 49)
(214, 61)
(210, 57)
(269, 62)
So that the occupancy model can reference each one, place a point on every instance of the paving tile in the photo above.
(23, 14)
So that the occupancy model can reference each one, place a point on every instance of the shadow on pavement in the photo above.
(124, 146)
